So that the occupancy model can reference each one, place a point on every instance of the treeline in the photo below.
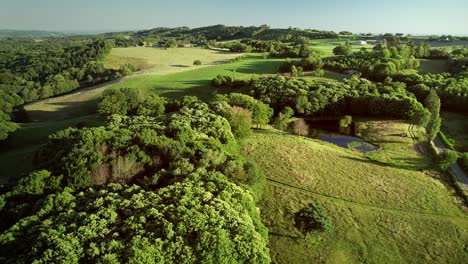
(451, 88)
(353, 97)
(143, 189)
(377, 64)
(273, 48)
(32, 70)
(205, 35)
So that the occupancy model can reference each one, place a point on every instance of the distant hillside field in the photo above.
(160, 61)
(183, 81)
(53, 114)
(385, 209)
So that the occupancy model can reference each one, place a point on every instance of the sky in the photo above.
(357, 16)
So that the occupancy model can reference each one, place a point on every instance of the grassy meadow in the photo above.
(326, 46)
(384, 210)
(193, 81)
(161, 61)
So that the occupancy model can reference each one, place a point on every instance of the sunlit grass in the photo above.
(385, 211)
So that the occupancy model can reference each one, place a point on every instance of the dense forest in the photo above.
(140, 189)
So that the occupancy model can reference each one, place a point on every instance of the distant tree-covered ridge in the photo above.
(205, 35)
(168, 188)
(31, 70)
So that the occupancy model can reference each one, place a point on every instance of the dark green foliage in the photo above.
(353, 97)
(378, 64)
(283, 119)
(31, 70)
(311, 63)
(204, 219)
(313, 217)
(197, 63)
(130, 148)
(113, 101)
(342, 50)
(447, 158)
(452, 90)
(464, 161)
(185, 208)
(256, 38)
(458, 61)
(438, 53)
(128, 101)
(6, 126)
(227, 81)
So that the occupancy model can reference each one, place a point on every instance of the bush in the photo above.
(342, 50)
(447, 158)
(282, 120)
(237, 59)
(300, 127)
(318, 73)
(128, 101)
(197, 63)
(261, 113)
(240, 120)
(313, 217)
(346, 121)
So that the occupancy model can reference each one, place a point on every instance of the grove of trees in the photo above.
(142, 189)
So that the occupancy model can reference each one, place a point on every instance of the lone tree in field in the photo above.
(313, 217)
(197, 63)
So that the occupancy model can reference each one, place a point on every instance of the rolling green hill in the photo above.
(383, 213)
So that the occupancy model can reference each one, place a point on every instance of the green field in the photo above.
(455, 125)
(326, 46)
(160, 61)
(433, 66)
(385, 210)
(189, 82)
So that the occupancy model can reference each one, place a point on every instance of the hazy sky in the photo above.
(377, 16)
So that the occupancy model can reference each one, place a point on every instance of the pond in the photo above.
(330, 131)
